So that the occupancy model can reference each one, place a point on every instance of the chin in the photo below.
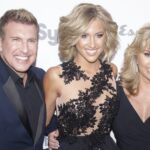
(92, 60)
(22, 69)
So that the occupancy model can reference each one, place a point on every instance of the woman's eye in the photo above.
(147, 54)
(99, 35)
(83, 36)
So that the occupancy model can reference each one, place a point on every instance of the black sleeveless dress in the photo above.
(86, 108)
(130, 132)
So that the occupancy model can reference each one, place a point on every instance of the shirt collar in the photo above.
(14, 75)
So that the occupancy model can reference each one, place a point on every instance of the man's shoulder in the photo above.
(38, 71)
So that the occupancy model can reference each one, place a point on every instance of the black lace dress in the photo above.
(86, 108)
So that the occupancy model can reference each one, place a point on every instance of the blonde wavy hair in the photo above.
(72, 26)
(129, 75)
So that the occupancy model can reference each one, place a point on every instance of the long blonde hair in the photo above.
(129, 75)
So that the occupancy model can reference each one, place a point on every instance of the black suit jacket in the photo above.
(13, 135)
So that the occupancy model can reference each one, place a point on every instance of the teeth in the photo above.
(91, 52)
(22, 57)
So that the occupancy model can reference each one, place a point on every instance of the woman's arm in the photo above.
(50, 85)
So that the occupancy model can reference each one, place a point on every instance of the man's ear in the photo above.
(0, 44)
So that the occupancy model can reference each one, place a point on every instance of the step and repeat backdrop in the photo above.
(129, 14)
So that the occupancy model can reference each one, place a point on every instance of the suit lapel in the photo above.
(41, 120)
(13, 95)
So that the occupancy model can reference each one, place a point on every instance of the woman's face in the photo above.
(91, 43)
(143, 62)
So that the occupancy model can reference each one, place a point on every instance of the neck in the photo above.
(144, 87)
(89, 67)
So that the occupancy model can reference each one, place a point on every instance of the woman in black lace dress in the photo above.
(82, 89)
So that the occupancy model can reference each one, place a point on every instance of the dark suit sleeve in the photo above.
(52, 125)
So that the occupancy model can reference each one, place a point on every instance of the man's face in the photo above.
(18, 47)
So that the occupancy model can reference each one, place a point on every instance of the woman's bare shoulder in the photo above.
(54, 71)
(114, 69)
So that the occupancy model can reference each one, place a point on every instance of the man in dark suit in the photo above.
(22, 108)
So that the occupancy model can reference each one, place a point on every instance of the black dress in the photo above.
(86, 108)
(131, 133)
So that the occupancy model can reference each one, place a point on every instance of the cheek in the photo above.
(143, 65)
(79, 46)
(100, 51)
(139, 64)
(142, 61)
(7, 47)
(100, 43)
(34, 50)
